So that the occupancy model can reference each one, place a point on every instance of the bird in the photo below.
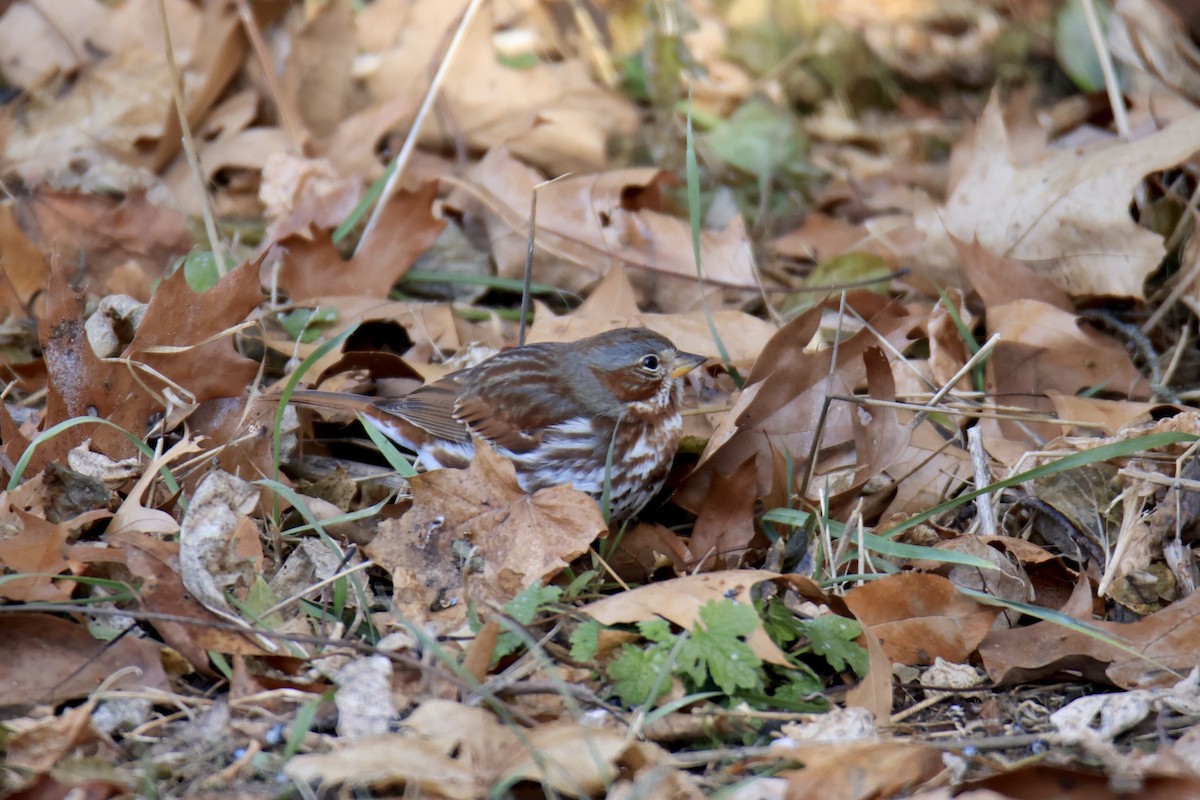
(554, 409)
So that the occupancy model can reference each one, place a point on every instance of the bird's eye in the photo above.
(650, 363)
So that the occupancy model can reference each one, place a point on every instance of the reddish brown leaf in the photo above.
(81, 384)
(1163, 645)
(921, 617)
(157, 564)
(312, 268)
(725, 527)
(46, 659)
(108, 235)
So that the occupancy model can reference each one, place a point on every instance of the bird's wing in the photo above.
(512, 398)
(431, 408)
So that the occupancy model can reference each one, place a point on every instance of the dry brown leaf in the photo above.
(24, 268)
(47, 742)
(874, 691)
(1008, 581)
(35, 546)
(390, 760)
(64, 35)
(647, 548)
(1157, 37)
(586, 222)
(921, 617)
(1043, 350)
(172, 340)
(473, 535)
(927, 471)
(578, 760)
(725, 529)
(859, 770)
(551, 113)
(156, 563)
(299, 192)
(46, 659)
(1108, 416)
(310, 269)
(126, 242)
(821, 237)
(781, 404)
(178, 317)
(317, 81)
(999, 281)
(87, 141)
(1066, 215)
(1041, 780)
(1165, 640)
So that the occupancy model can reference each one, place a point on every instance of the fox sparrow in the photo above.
(554, 410)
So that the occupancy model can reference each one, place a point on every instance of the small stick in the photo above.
(250, 26)
(1104, 56)
(983, 477)
(410, 142)
(210, 221)
(526, 289)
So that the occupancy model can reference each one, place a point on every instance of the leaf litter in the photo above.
(204, 593)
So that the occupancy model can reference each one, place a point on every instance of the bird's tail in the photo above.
(340, 405)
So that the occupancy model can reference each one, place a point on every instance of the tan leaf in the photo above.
(476, 530)
(860, 769)
(1067, 213)
(586, 222)
(389, 760)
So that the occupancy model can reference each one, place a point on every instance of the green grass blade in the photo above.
(1096, 455)
(396, 460)
(878, 544)
(1064, 620)
(23, 462)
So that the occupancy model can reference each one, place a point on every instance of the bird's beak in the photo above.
(685, 363)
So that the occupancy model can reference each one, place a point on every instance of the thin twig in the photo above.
(983, 478)
(527, 287)
(410, 142)
(991, 412)
(250, 25)
(982, 353)
(206, 208)
(1104, 56)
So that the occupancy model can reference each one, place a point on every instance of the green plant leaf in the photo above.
(716, 647)
(585, 640)
(305, 324)
(832, 637)
(200, 270)
(1073, 46)
(780, 623)
(759, 138)
(635, 671)
(656, 630)
(852, 267)
(524, 609)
